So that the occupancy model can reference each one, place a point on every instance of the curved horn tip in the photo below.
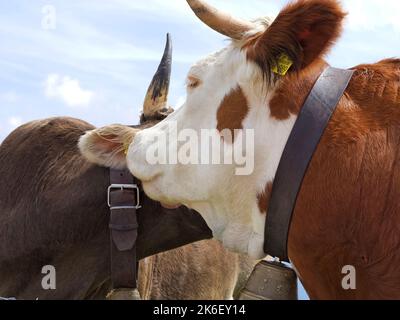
(168, 47)
(157, 93)
(168, 40)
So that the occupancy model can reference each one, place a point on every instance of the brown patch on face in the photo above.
(232, 111)
(264, 197)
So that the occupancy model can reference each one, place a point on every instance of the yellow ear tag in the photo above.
(126, 148)
(283, 65)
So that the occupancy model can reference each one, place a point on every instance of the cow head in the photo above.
(236, 98)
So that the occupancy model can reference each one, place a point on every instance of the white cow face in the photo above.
(225, 92)
(234, 101)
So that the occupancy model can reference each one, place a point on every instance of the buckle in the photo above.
(124, 187)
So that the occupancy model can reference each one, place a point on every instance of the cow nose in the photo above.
(140, 159)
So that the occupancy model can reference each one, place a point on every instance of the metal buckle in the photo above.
(123, 187)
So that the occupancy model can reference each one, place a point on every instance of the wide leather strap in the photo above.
(123, 202)
(303, 141)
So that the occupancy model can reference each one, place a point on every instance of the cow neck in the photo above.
(310, 125)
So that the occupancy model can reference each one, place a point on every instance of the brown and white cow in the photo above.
(348, 209)
(53, 211)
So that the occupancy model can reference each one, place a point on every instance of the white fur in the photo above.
(227, 202)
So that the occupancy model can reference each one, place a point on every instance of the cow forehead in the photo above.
(201, 66)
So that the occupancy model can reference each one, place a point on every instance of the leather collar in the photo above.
(123, 200)
(300, 148)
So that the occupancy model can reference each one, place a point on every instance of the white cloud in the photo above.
(67, 90)
(14, 122)
(371, 14)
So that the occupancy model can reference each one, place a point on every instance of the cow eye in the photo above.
(193, 82)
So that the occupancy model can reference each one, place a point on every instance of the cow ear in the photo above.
(303, 31)
(107, 146)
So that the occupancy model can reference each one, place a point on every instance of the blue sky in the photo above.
(96, 61)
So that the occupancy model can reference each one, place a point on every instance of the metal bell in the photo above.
(271, 281)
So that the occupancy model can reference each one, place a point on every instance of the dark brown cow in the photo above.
(199, 271)
(54, 212)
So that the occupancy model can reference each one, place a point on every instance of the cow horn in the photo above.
(220, 21)
(157, 94)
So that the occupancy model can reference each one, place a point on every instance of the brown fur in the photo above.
(232, 111)
(303, 30)
(263, 198)
(53, 211)
(182, 274)
(348, 211)
(282, 104)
